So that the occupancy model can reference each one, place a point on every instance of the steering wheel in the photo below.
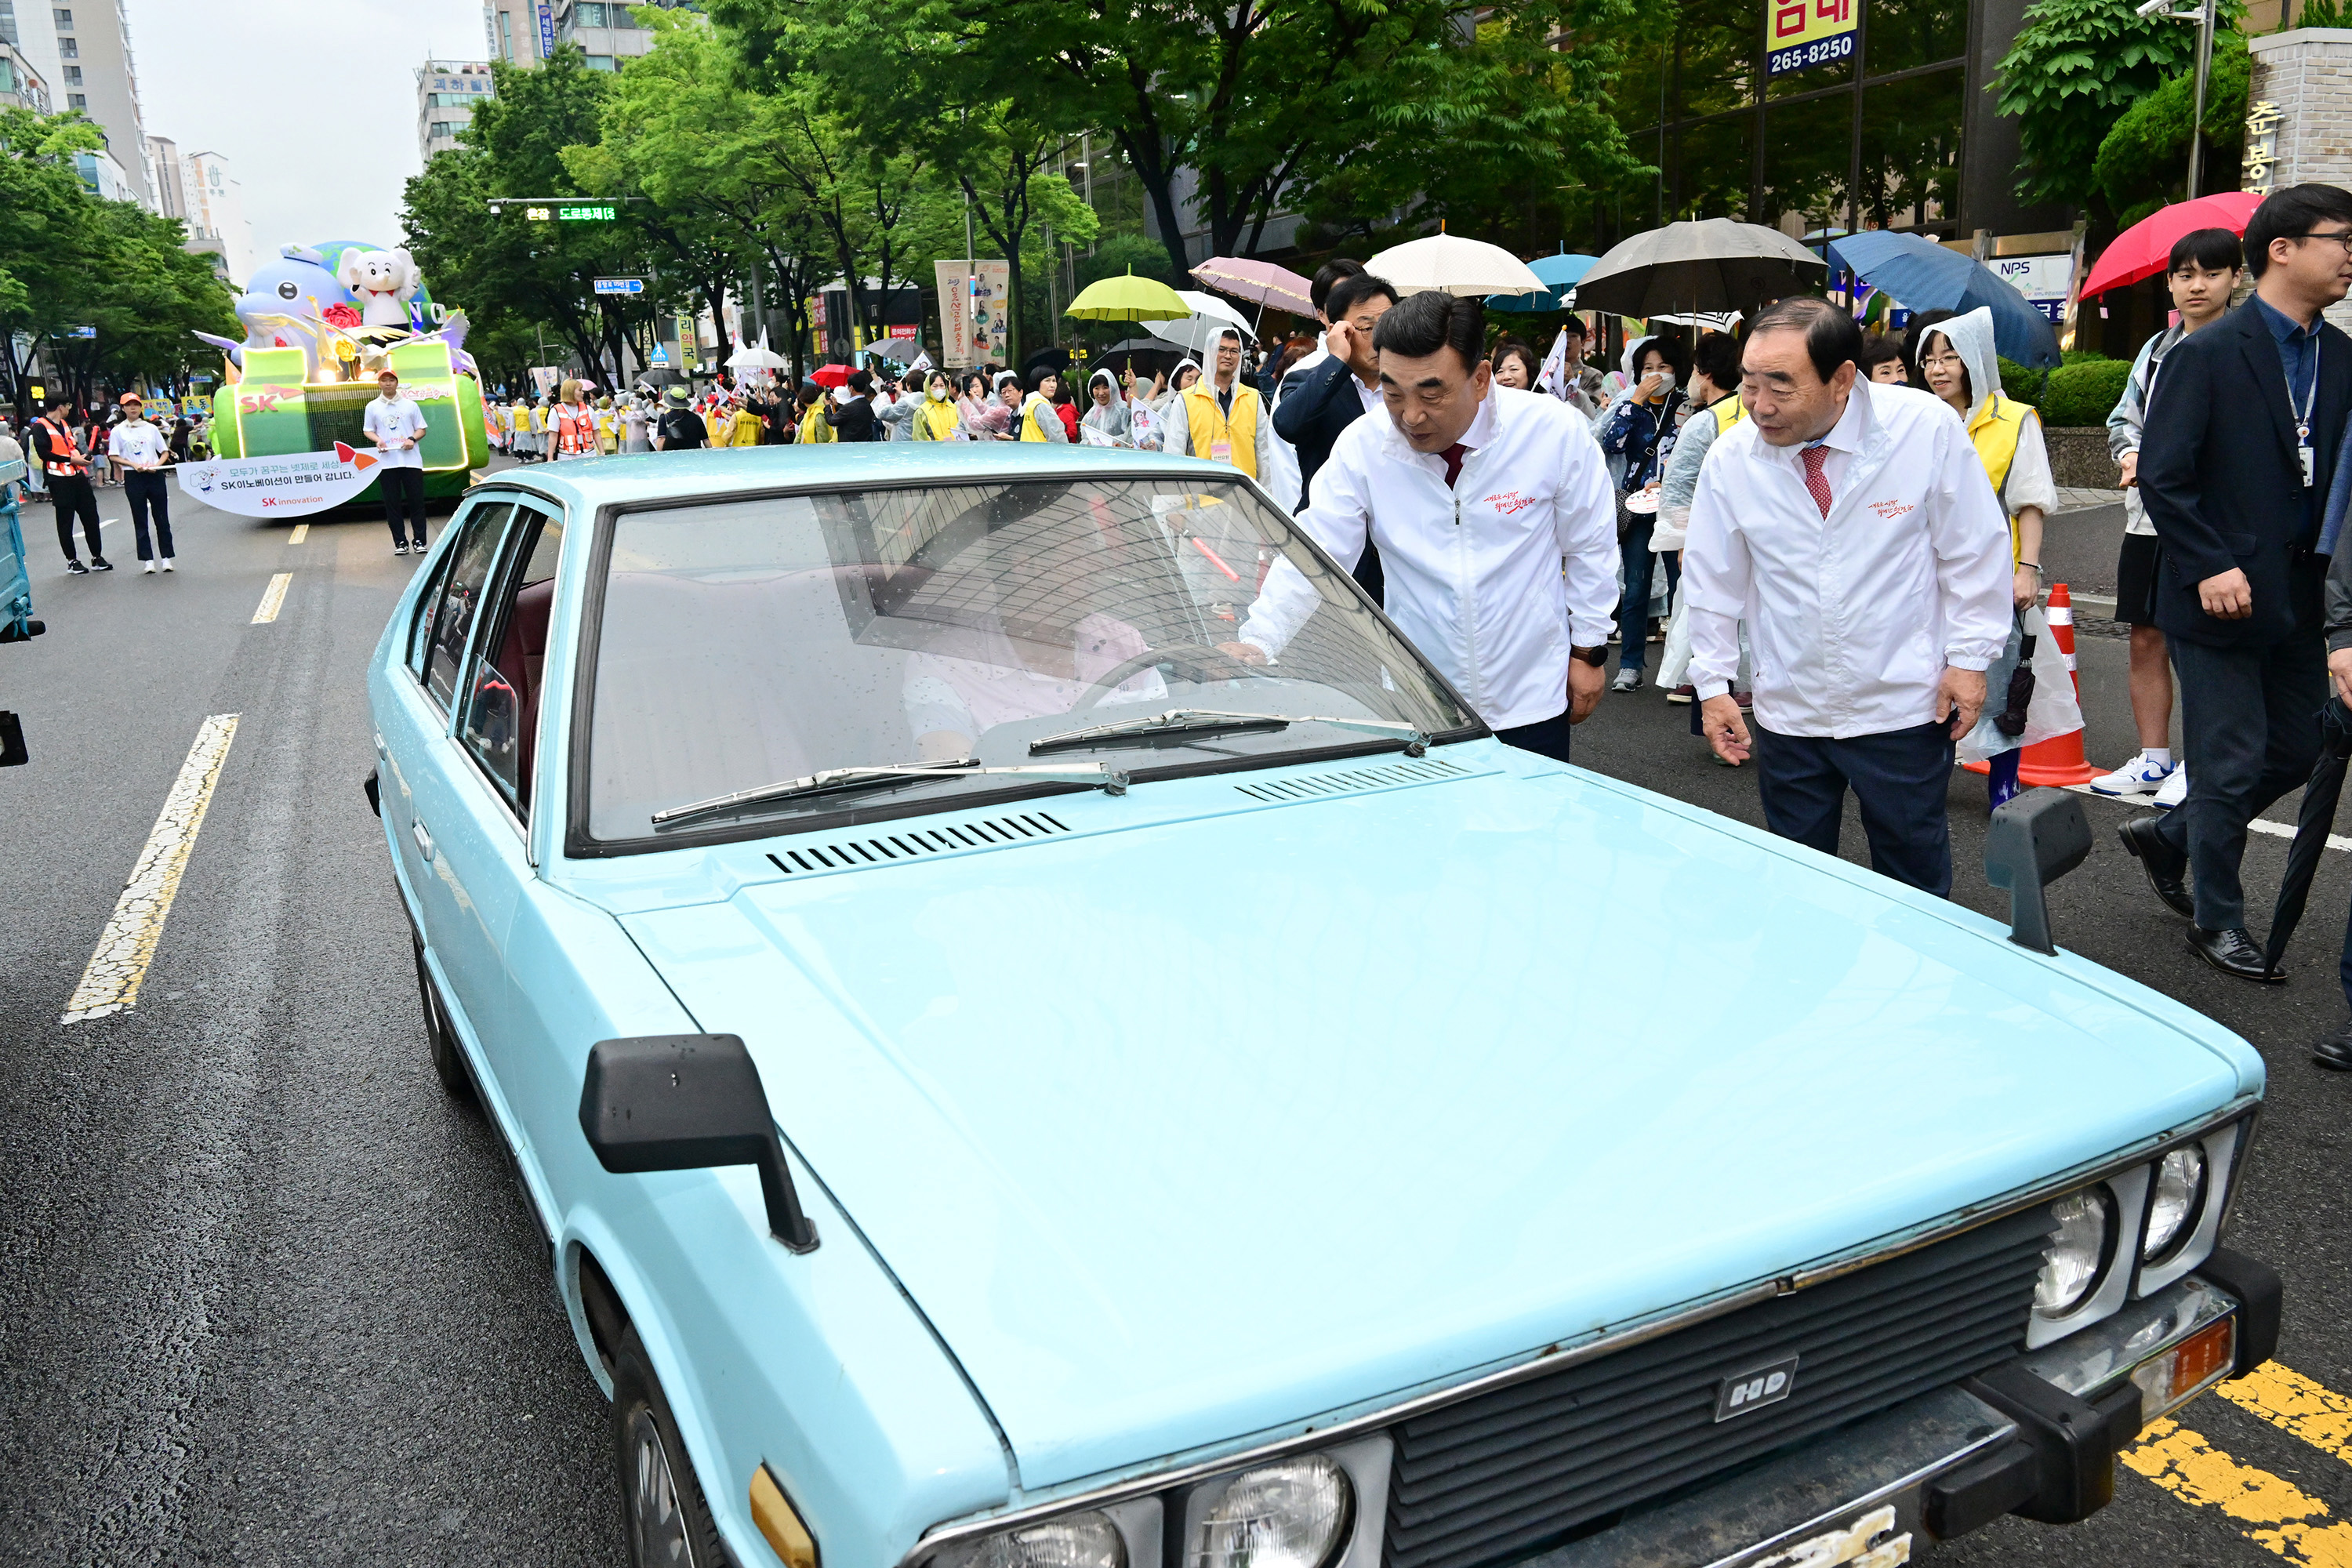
(1190, 658)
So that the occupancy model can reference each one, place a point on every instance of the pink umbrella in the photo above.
(2144, 249)
(1259, 282)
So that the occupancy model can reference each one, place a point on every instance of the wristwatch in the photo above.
(1596, 656)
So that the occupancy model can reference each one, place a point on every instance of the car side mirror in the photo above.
(2035, 839)
(685, 1103)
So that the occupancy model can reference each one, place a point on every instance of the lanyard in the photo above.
(2302, 416)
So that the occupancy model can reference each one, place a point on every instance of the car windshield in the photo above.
(747, 642)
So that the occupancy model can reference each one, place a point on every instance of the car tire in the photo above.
(448, 1066)
(663, 1514)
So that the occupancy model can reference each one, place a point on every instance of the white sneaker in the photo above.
(167, 563)
(148, 568)
(2138, 776)
(2175, 790)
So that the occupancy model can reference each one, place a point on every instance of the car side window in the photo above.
(458, 598)
(420, 625)
(500, 725)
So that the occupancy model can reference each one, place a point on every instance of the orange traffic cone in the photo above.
(2059, 760)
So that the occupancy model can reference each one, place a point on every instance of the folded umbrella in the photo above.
(1707, 263)
(2144, 249)
(2313, 821)
(1926, 276)
(1259, 282)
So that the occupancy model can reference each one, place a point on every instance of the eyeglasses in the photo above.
(2342, 237)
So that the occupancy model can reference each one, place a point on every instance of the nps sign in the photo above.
(292, 485)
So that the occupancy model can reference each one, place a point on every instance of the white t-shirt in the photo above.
(389, 420)
(137, 442)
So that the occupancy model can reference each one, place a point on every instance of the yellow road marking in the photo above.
(272, 597)
(2293, 1404)
(2290, 1521)
(110, 982)
(301, 531)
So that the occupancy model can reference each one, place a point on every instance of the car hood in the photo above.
(1183, 1131)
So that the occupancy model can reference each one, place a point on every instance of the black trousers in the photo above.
(72, 495)
(403, 502)
(1900, 778)
(1545, 737)
(145, 490)
(2250, 731)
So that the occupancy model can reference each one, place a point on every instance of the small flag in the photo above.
(1554, 376)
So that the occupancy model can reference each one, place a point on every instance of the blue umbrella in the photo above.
(1926, 276)
(1562, 272)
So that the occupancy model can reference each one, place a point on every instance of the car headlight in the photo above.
(1080, 1541)
(2077, 1255)
(1293, 1513)
(2175, 1196)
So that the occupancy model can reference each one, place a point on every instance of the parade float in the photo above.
(321, 321)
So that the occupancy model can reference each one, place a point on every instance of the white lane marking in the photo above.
(301, 531)
(2259, 825)
(110, 982)
(272, 597)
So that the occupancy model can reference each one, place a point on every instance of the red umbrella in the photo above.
(830, 374)
(2144, 249)
(1259, 282)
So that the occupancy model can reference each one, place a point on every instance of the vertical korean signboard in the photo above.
(974, 299)
(1802, 34)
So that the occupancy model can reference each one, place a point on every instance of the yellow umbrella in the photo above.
(1128, 298)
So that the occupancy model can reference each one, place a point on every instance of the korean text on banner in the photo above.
(973, 309)
(1802, 34)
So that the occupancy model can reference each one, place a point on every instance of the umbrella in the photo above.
(2312, 821)
(1259, 282)
(899, 351)
(2144, 249)
(1705, 321)
(1559, 273)
(1926, 276)
(1129, 298)
(830, 374)
(1200, 332)
(1148, 355)
(661, 376)
(756, 357)
(1460, 266)
(1710, 264)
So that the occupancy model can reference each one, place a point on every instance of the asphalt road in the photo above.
(268, 1297)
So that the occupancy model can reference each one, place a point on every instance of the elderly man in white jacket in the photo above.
(1492, 512)
(1852, 527)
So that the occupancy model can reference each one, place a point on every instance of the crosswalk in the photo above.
(2268, 1509)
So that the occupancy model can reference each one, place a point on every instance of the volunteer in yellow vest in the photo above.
(1041, 419)
(1715, 401)
(1957, 363)
(937, 417)
(1221, 418)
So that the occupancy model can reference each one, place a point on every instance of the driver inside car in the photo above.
(974, 679)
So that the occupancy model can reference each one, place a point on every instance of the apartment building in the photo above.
(447, 91)
(21, 85)
(81, 53)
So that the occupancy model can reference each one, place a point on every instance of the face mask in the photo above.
(938, 395)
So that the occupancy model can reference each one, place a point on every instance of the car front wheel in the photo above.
(662, 1507)
(439, 1036)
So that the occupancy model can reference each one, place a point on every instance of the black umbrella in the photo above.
(1148, 355)
(2313, 821)
(1706, 264)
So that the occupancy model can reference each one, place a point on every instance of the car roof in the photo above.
(638, 476)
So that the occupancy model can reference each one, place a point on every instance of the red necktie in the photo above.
(1454, 455)
(1816, 481)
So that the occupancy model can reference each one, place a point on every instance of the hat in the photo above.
(130, 397)
(676, 397)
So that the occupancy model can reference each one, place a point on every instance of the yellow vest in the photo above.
(1995, 431)
(814, 429)
(1728, 412)
(1209, 425)
(1030, 429)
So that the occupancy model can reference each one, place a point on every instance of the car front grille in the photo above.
(1507, 1473)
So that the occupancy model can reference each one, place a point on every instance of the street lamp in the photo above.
(2203, 16)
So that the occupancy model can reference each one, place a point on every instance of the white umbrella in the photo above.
(1200, 330)
(757, 358)
(1464, 268)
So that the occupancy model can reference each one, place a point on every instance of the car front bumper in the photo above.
(2037, 1436)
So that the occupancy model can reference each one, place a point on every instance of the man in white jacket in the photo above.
(1851, 526)
(1492, 515)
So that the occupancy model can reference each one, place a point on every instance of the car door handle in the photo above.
(423, 839)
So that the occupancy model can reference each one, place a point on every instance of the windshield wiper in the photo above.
(1208, 720)
(844, 781)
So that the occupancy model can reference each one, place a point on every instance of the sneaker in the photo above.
(2138, 776)
(76, 569)
(167, 563)
(100, 564)
(147, 568)
(1683, 696)
(1627, 680)
(401, 548)
(2175, 790)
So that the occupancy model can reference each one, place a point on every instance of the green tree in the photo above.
(2143, 161)
(2076, 67)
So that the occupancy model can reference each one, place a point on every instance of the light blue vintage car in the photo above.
(1007, 1085)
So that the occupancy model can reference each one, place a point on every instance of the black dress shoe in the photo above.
(2166, 867)
(2335, 1048)
(2232, 951)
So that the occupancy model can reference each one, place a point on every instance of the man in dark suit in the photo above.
(1338, 392)
(2240, 442)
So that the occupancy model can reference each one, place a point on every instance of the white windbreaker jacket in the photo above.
(1494, 579)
